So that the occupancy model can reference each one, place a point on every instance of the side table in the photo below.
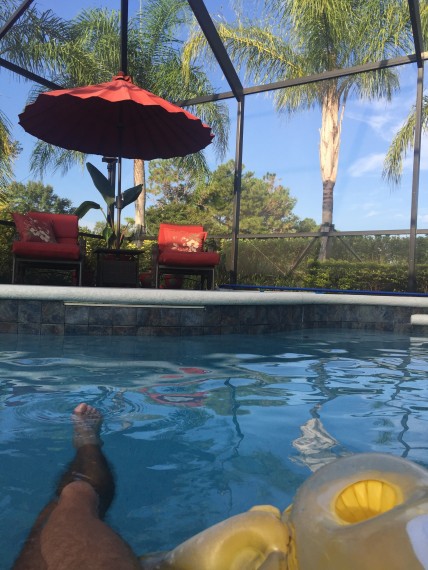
(117, 267)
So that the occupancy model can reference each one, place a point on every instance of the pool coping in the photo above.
(26, 309)
(168, 297)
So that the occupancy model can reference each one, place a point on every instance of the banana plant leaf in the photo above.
(102, 184)
(131, 194)
(84, 208)
(108, 235)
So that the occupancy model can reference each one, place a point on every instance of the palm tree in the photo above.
(403, 141)
(23, 45)
(300, 38)
(91, 54)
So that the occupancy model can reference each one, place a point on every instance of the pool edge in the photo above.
(26, 309)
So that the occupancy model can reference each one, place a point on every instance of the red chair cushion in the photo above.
(42, 250)
(167, 228)
(31, 228)
(66, 226)
(183, 240)
(189, 259)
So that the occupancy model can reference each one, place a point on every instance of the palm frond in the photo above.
(8, 151)
(401, 144)
(49, 157)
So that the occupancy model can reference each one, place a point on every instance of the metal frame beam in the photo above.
(12, 66)
(14, 17)
(237, 187)
(28, 74)
(332, 74)
(415, 181)
(124, 36)
(209, 30)
(415, 19)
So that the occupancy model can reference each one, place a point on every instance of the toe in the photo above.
(81, 408)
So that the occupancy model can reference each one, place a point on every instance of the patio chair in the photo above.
(49, 241)
(180, 251)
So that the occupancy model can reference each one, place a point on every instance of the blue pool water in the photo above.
(199, 429)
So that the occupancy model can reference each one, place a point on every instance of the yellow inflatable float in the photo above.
(365, 512)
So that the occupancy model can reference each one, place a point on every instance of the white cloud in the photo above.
(370, 163)
(368, 205)
(384, 117)
(384, 124)
(373, 163)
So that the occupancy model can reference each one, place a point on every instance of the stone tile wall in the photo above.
(62, 318)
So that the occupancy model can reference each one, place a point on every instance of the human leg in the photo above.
(89, 463)
(69, 533)
(74, 537)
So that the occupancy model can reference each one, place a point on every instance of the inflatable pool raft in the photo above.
(362, 512)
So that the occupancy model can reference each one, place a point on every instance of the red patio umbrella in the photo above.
(116, 119)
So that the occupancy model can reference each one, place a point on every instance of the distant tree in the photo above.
(173, 185)
(172, 181)
(266, 205)
(34, 196)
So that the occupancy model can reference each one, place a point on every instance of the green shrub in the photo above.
(346, 275)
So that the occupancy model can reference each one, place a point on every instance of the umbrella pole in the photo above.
(119, 201)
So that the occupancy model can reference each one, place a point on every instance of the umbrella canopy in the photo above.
(115, 118)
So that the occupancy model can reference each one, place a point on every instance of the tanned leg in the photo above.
(69, 534)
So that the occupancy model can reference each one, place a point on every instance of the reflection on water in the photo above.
(316, 446)
(199, 429)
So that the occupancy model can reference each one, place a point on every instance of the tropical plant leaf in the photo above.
(102, 184)
(84, 208)
(131, 194)
(109, 235)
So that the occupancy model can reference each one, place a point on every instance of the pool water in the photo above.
(199, 429)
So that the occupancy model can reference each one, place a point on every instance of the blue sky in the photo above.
(283, 145)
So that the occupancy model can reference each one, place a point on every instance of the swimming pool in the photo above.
(201, 428)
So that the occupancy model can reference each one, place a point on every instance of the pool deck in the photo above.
(26, 309)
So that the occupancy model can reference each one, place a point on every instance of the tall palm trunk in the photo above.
(331, 126)
(140, 203)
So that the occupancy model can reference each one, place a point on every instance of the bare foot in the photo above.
(87, 425)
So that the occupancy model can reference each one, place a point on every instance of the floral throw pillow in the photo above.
(32, 229)
(177, 240)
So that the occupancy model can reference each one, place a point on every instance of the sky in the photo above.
(286, 146)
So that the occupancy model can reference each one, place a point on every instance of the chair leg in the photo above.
(18, 271)
(13, 270)
(80, 270)
(157, 277)
(210, 279)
